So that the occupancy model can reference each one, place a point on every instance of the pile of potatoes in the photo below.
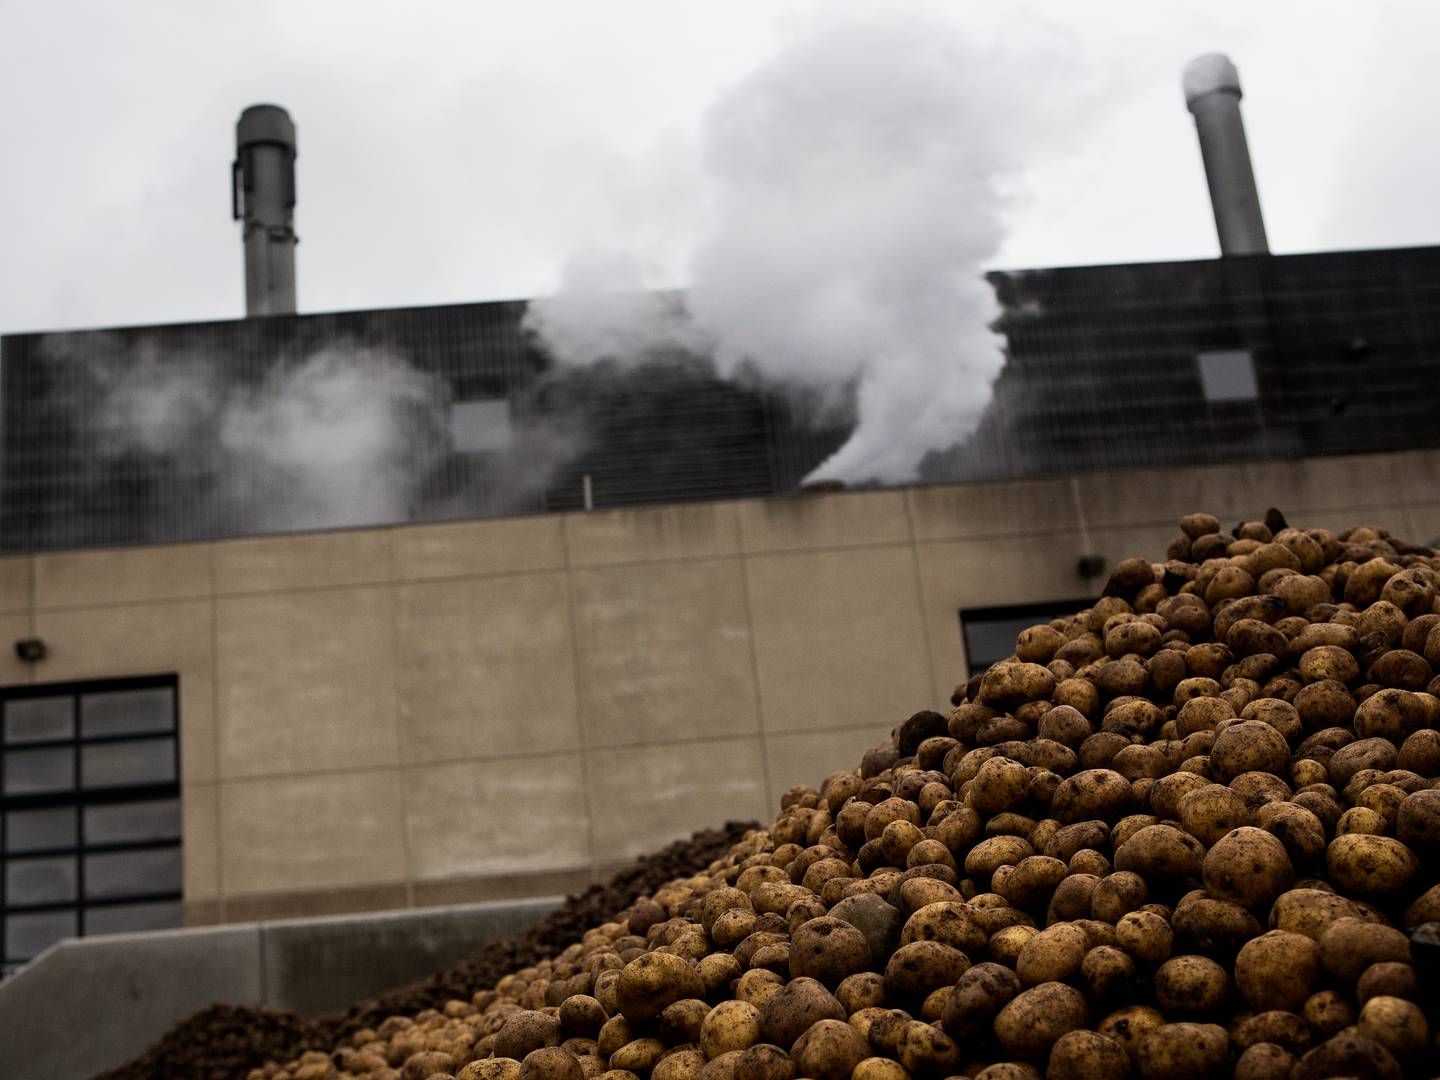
(1190, 832)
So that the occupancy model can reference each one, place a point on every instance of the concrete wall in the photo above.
(125, 991)
(437, 714)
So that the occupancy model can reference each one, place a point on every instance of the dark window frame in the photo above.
(1041, 612)
(79, 798)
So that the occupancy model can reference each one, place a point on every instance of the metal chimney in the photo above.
(1212, 93)
(263, 198)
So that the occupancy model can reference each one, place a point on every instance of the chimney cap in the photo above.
(265, 124)
(1209, 74)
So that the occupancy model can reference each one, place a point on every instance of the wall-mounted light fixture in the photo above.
(31, 649)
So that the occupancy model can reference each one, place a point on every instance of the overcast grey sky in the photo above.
(454, 151)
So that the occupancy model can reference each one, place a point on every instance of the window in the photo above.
(989, 633)
(1228, 375)
(480, 426)
(89, 812)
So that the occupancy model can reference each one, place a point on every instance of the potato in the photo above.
(1184, 1051)
(1032, 1022)
(652, 981)
(1212, 810)
(863, 990)
(525, 1031)
(1278, 970)
(730, 1025)
(828, 949)
(1087, 1055)
(1248, 866)
(1146, 936)
(829, 1050)
(1108, 973)
(550, 1063)
(1348, 1054)
(1191, 985)
(879, 1068)
(1396, 1024)
(799, 1003)
(764, 1062)
(1161, 853)
(979, 995)
(925, 1049)
(1052, 955)
(1116, 895)
(1350, 945)
(916, 969)
(1370, 865)
(1264, 1061)
(489, 1069)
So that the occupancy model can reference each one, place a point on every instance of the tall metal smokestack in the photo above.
(1212, 93)
(263, 198)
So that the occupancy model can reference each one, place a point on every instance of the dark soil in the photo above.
(223, 1042)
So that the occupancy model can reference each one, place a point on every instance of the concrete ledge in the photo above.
(126, 990)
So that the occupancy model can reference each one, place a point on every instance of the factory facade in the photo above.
(306, 614)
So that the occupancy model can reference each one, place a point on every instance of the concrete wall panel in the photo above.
(287, 833)
(269, 564)
(645, 797)
(809, 757)
(803, 522)
(122, 575)
(306, 681)
(648, 534)
(478, 547)
(497, 817)
(485, 667)
(17, 583)
(959, 511)
(838, 637)
(664, 652)
(200, 825)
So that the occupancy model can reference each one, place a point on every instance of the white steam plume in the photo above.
(858, 184)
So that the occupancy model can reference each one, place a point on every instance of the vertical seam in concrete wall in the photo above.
(771, 795)
(215, 739)
(1080, 514)
(581, 735)
(401, 777)
(920, 595)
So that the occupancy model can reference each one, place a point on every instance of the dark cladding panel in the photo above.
(130, 436)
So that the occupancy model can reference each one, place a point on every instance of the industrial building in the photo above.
(589, 611)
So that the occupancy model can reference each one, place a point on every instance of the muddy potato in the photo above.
(1191, 986)
(1328, 1013)
(764, 1061)
(828, 949)
(951, 923)
(551, 1063)
(1278, 970)
(1087, 1055)
(915, 970)
(1370, 865)
(1036, 1018)
(525, 1031)
(1387, 978)
(925, 1049)
(1116, 895)
(1264, 1061)
(1145, 936)
(1211, 810)
(1108, 974)
(1348, 1054)
(1161, 853)
(1396, 1024)
(1248, 866)
(798, 1004)
(1052, 955)
(758, 986)
(1184, 1051)
(979, 995)
(863, 990)
(879, 1068)
(490, 1069)
(1350, 945)
(829, 1050)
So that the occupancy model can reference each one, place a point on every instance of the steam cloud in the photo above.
(858, 184)
(344, 436)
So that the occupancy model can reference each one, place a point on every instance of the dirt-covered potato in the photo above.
(979, 995)
(1350, 945)
(1248, 866)
(1370, 865)
(1184, 1051)
(1264, 1061)
(1146, 936)
(1036, 1018)
(652, 981)
(551, 1063)
(1052, 955)
(1161, 853)
(916, 969)
(1087, 1055)
(829, 1050)
(798, 1004)
(1277, 970)
(828, 949)
(730, 1025)
(1191, 986)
